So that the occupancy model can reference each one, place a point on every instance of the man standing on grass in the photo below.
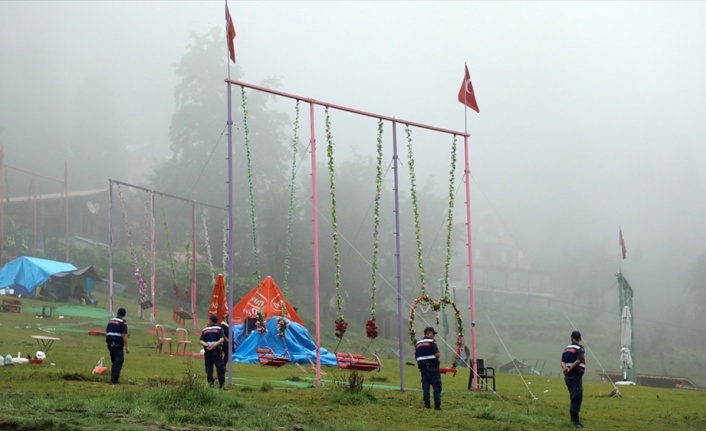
(427, 354)
(116, 338)
(212, 340)
(573, 363)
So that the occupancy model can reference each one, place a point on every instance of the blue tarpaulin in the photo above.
(298, 345)
(26, 274)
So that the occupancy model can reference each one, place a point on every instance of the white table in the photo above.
(45, 342)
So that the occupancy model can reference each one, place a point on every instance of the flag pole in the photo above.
(230, 204)
(467, 171)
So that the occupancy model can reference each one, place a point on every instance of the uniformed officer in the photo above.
(427, 354)
(116, 339)
(573, 364)
(212, 340)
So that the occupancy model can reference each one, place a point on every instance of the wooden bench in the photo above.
(11, 305)
(357, 362)
(268, 357)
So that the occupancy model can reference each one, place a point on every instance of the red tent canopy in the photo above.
(267, 297)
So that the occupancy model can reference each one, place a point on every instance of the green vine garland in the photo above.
(415, 205)
(246, 138)
(290, 212)
(449, 225)
(341, 324)
(370, 327)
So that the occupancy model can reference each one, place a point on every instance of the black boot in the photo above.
(437, 406)
(575, 421)
(427, 405)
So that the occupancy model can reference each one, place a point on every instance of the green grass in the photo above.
(170, 393)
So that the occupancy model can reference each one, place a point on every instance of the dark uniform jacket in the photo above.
(573, 353)
(425, 353)
(117, 326)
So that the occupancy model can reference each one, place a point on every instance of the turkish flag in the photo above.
(466, 94)
(622, 244)
(230, 35)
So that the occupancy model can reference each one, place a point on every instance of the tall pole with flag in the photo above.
(230, 40)
(467, 96)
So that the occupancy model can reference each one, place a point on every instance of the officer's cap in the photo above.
(121, 312)
(430, 329)
(214, 318)
(576, 335)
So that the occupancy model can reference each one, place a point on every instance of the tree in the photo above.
(197, 170)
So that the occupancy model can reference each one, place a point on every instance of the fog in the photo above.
(589, 111)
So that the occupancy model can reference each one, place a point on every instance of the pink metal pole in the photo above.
(467, 172)
(315, 227)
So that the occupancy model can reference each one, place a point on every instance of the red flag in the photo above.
(230, 35)
(466, 94)
(622, 244)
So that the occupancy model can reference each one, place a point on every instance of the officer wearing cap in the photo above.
(116, 339)
(212, 340)
(573, 364)
(427, 354)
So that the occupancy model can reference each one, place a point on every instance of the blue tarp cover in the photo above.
(297, 344)
(30, 272)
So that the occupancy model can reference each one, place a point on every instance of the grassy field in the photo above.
(159, 391)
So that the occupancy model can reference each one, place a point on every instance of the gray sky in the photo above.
(589, 110)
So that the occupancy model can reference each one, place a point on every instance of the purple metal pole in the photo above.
(110, 246)
(193, 265)
(398, 251)
(467, 172)
(153, 268)
(315, 227)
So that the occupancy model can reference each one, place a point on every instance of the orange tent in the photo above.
(267, 297)
(219, 302)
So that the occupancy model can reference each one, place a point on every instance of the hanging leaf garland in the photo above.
(246, 139)
(121, 198)
(415, 206)
(450, 215)
(371, 329)
(341, 324)
(290, 212)
(207, 242)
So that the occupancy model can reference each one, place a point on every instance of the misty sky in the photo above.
(590, 111)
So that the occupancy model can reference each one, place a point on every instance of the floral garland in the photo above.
(260, 323)
(436, 305)
(341, 324)
(282, 325)
(341, 327)
(449, 225)
(415, 205)
(370, 327)
(246, 138)
(290, 212)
